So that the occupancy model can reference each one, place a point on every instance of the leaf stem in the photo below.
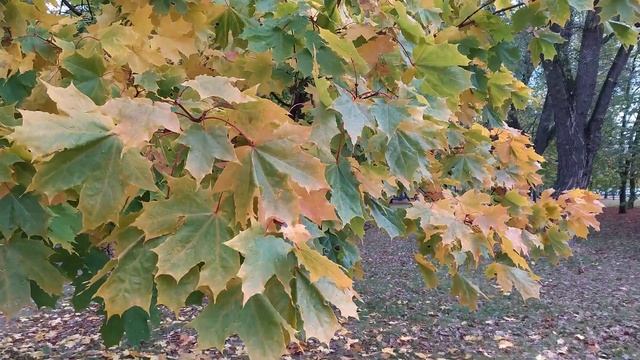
(218, 206)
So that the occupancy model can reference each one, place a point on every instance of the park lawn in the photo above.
(589, 308)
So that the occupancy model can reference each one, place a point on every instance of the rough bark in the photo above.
(578, 121)
(546, 127)
(594, 126)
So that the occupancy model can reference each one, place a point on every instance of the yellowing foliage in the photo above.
(235, 150)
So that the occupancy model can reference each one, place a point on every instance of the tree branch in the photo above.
(593, 130)
(588, 64)
(500, 11)
(71, 7)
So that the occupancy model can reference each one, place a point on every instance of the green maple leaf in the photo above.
(544, 43)
(628, 10)
(346, 50)
(148, 80)
(405, 156)
(265, 256)
(199, 239)
(22, 210)
(173, 294)
(410, 28)
(625, 33)
(466, 291)
(389, 115)
(23, 260)
(228, 22)
(130, 279)
(345, 193)
(387, 218)
(65, 224)
(206, 142)
(261, 327)
(196, 234)
(354, 114)
(317, 315)
(429, 57)
(445, 82)
(427, 270)
(17, 87)
(88, 75)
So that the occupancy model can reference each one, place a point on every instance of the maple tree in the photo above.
(234, 151)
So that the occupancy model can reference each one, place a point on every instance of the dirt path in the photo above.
(590, 309)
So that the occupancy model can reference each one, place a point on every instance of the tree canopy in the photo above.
(235, 151)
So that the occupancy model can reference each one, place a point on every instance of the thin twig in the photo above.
(355, 74)
(404, 50)
(482, 6)
(231, 125)
(500, 11)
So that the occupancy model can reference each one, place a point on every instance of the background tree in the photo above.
(577, 103)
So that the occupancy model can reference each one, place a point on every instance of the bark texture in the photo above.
(575, 107)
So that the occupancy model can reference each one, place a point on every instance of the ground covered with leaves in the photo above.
(589, 308)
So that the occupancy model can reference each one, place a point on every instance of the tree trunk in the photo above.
(624, 177)
(632, 192)
(578, 133)
(594, 126)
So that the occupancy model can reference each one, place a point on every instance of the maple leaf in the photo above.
(130, 281)
(218, 86)
(320, 267)
(428, 270)
(264, 257)
(355, 114)
(345, 193)
(172, 293)
(23, 211)
(85, 136)
(297, 233)
(466, 291)
(317, 316)
(492, 218)
(196, 234)
(262, 328)
(22, 260)
(508, 277)
(137, 119)
(206, 142)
